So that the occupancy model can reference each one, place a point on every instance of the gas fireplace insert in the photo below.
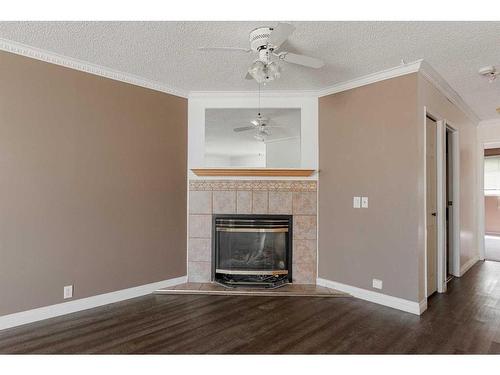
(252, 250)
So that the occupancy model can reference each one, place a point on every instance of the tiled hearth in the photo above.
(298, 198)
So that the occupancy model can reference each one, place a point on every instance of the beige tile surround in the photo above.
(297, 198)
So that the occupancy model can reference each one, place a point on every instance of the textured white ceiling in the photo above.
(167, 52)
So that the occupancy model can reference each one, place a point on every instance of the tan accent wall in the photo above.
(368, 146)
(492, 215)
(92, 184)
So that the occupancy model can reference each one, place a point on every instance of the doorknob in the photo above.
(434, 214)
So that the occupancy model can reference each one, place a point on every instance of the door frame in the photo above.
(480, 178)
(455, 221)
(442, 125)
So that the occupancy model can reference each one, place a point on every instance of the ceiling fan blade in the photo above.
(280, 33)
(270, 140)
(243, 129)
(303, 60)
(227, 49)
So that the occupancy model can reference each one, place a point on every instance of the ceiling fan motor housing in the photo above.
(259, 38)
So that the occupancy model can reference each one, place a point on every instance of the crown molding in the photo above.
(421, 66)
(490, 122)
(87, 67)
(417, 66)
(263, 94)
(439, 83)
(393, 72)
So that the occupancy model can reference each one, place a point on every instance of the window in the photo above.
(492, 175)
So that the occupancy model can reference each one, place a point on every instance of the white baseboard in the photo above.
(46, 312)
(380, 298)
(466, 266)
(422, 306)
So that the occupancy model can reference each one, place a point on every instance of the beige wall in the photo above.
(492, 214)
(372, 144)
(440, 107)
(368, 146)
(93, 184)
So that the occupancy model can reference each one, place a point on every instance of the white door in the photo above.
(431, 167)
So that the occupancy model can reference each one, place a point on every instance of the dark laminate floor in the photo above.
(465, 320)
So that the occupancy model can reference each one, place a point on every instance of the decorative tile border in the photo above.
(269, 185)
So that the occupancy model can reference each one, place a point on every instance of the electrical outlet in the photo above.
(377, 284)
(364, 202)
(68, 291)
(356, 202)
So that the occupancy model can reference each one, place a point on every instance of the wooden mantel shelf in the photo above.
(269, 172)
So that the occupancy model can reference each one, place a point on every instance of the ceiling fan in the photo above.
(266, 41)
(261, 125)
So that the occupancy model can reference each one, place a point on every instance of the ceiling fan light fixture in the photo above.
(260, 137)
(273, 71)
(257, 71)
(263, 73)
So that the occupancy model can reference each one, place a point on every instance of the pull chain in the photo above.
(259, 97)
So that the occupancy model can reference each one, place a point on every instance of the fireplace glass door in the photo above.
(252, 246)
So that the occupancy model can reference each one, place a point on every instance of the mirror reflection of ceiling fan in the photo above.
(261, 126)
(265, 42)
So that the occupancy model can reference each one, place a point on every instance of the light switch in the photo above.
(356, 202)
(364, 202)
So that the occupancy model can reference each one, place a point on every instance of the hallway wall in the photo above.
(436, 103)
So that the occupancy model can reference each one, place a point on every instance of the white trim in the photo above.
(442, 261)
(46, 312)
(491, 122)
(247, 94)
(87, 67)
(442, 126)
(481, 226)
(425, 198)
(466, 266)
(393, 72)
(456, 200)
(382, 299)
(422, 306)
(441, 206)
(439, 83)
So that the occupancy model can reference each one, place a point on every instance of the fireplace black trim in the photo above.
(289, 218)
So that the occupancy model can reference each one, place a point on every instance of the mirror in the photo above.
(239, 137)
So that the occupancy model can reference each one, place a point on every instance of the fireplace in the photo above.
(252, 250)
